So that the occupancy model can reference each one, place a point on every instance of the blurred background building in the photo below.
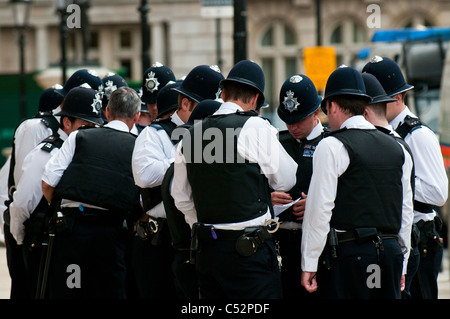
(181, 37)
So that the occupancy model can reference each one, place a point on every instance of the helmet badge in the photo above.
(110, 87)
(97, 103)
(151, 83)
(290, 102)
(376, 59)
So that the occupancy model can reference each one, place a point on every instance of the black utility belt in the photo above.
(90, 214)
(86, 211)
(423, 207)
(362, 235)
(247, 240)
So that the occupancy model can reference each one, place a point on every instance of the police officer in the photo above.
(152, 155)
(355, 197)
(224, 196)
(154, 79)
(28, 197)
(375, 113)
(26, 136)
(93, 182)
(431, 183)
(183, 265)
(299, 108)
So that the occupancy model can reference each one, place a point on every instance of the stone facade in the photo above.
(278, 30)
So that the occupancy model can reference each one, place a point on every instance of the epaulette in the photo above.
(409, 124)
(158, 124)
(49, 120)
(51, 142)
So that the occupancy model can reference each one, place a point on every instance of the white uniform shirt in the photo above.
(330, 161)
(431, 182)
(29, 134)
(56, 166)
(257, 143)
(152, 155)
(29, 189)
(4, 174)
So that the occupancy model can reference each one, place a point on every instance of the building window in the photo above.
(94, 41)
(125, 39)
(279, 53)
(348, 37)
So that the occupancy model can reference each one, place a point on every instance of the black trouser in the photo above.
(289, 243)
(32, 258)
(223, 273)
(424, 283)
(185, 276)
(90, 251)
(152, 265)
(20, 288)
(352, 275)
(412, 268)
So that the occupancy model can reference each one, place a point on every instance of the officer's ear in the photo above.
(108, 114)
(136, 117)
(224, 94)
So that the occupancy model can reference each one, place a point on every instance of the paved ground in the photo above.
(5, 282)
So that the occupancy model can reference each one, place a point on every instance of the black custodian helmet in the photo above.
(344, 81)
(375, 90)
(167, 98)
(155, 78)
(389, 74)
(80, 77)
(202, 82)
(83, 103)
(249, 73)
(298, 99)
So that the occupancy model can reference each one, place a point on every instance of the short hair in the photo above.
(124, 103)
(350, 104)
(192, 103)
(243, 92)
(379, 109)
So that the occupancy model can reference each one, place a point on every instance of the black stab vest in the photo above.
(229, 189)
(100, 173)
(302, 153)
(369, 192)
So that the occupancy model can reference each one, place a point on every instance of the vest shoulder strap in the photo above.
(409, 124)
(49, 120)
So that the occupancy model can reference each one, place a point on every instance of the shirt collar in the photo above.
(357, 121)
(227, 108)
(62, 134)
(315, 132)
(118, 125)
(176, 119)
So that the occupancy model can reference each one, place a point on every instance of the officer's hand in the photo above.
(280, 198)
(402, 283)
(299, 207)
(309, 281)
